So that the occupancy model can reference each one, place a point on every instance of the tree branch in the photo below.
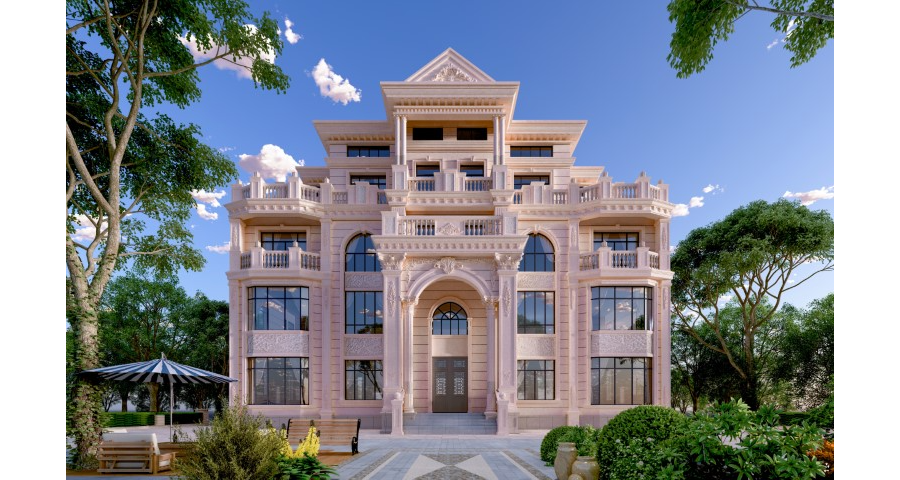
(820, 16)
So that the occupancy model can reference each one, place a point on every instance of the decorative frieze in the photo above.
(536, 346)
(536, 281)
(363, 281)
(277, 343)
(627, 343)
(363, 346)
(451, 73)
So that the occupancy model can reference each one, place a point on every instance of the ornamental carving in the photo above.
(391, 261)
(573, 236)
(507, 298)
(535, 281)
(278, 343)
(448, 264)
(363, 346)
(451, 73)
(665, 239)
(392, 298)
(621, 344)
(363, 281)
(528, 346)
(507, 261)
(449, 229)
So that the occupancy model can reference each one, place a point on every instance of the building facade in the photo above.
(450, 259)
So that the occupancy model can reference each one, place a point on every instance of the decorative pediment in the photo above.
(450, 66)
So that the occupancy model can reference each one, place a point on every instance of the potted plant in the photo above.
(586, 463)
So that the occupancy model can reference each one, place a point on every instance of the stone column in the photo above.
(496, 139)
(662, 338)
(663, 242)
(398, 140)
(490, 305)
(409, 306)
(507, 268)
(234, 254)
(403, 140)
(392, 361)
(325, 256)
(574, 322)
(237, 328)
(502, 141)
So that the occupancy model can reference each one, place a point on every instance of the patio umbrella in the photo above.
(157, 371)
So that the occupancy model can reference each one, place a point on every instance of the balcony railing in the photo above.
(540, 194)
(450, 226)
(606, 258)
(293, 257)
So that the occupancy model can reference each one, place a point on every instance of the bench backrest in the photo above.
(111, 439)
(330, 430)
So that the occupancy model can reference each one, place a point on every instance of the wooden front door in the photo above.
(450, 387)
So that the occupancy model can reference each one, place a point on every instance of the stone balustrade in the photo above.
(607, 258)
(448, 226)
(293, 257)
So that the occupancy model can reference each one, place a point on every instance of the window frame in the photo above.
(518, 150)
(540, 178)
(428, 133)
(637, 241)
(262, 240)
(522, 374)
(546, 323)
(429, 173)
(302, 320)
(380, 180)
(304, 380)
(532, 257)
(597, 300)
(467, 167)
(597, 373)
(383, 151)
(365, 255)
(452, 317)
(378, 375)
(376, 325)
(475, 132)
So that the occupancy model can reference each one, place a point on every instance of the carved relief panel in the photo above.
(627, 343)
(277, 344)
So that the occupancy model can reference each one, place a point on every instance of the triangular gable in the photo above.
(450, 66)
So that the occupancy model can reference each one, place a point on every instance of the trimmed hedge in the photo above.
(643, 422)
(139, 419)
(551, 442)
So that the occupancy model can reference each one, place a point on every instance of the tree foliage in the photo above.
(752, 255)
(806, 352)
(129, 173)
(807, 25)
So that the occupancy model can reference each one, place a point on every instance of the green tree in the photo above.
(806, 353)
(700, 24)
(206, 347)
(127, 172)
(699, 374)
(751, 255)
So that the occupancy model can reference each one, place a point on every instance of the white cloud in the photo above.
(772, 45)
(714, 189)
(85, 230)
(212, 198)
(812, 196)
(680, 210)
(788, 32)
(237, 64)
(271, 162)
(220, 249)
(696, 202)
(725, 298)
(334, 86)
(226, 149)
(289, 34)
(205, 214)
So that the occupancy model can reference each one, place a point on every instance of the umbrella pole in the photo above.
(171, 407)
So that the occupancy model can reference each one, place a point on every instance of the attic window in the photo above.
(428, 133)
(471, 134)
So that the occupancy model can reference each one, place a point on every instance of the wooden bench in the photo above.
(132, 453)
(331, 431)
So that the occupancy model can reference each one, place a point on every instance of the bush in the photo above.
(643, 422)
(551, 442)
(304, 467)
(234, 446)
(585, 439)
(825, 454)
(138, 419)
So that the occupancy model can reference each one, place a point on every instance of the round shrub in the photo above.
(643, 422)
(551, 442)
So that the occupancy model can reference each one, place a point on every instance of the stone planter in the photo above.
(565, 455)
(587, 467)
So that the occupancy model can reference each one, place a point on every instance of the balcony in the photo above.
(637, 196)
(617, 263)
(293, 259)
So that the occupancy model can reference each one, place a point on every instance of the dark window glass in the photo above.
(538, 255)
(536, 380)
(617, 241)
(473, 170)
(449, 319)
(358, 257)
(530, 151)
(364, 312)
(428, 133)
(621, 308)
(471, 134)
(279, 381)
(620, 381)
(535, 312)
(279, 308)
(362, 380)
(376, 151)
(520, 181)
(427, 170)
(379, 181)
(281, 241)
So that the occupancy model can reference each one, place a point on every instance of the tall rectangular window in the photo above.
(530, 151)
(620, 381)
(621, 308)
(279, 308)
(279, 381)
(536, 313)
(428, 133)
(536, 379)
(520, 181)
(464, 133)
(373, 151)
(281, 241)
(379, 181)
(364, 312)
(617, 241)
(362, 379)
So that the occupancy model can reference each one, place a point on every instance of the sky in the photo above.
(747, 128)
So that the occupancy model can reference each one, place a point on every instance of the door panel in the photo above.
(450, 388)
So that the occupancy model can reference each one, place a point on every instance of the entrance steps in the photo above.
(449, 424)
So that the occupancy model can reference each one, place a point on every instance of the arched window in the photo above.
(450, 319)
(538, 255)
(359, 257)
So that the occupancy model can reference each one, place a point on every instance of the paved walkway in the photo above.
(450, 457)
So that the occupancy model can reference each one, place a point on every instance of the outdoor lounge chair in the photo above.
(132, 452)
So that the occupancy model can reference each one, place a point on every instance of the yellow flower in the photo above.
(310, 445)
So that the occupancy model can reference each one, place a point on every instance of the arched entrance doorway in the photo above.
(450, 375)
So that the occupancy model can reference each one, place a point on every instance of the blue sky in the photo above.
(749, 123)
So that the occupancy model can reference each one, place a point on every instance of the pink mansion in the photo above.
(451, 258)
